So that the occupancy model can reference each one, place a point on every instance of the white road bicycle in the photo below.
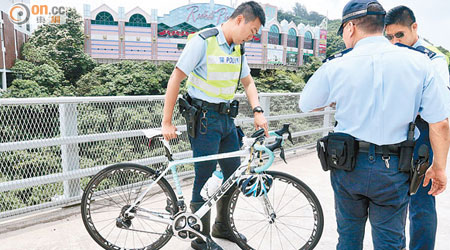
(130, 206)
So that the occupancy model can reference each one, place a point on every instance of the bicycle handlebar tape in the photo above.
(420, 168)
(268, 163)
(406, 150)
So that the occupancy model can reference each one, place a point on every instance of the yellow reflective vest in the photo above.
(223, 70)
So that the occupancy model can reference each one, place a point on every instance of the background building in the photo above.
(12, 38)
(140, 35)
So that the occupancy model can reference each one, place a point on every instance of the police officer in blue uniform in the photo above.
(214, 61)
(378, 89)
(401, 27)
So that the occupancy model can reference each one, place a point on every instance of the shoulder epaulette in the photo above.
(420, 49)
(337, 55)
(208, 33)
(427, 51)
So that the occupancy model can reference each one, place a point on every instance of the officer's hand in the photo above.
(261, 122)
(168, 131)
(438, 179)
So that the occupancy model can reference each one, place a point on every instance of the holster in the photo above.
(338, 151)
(234, 108)
(190, 114)
(421, 166)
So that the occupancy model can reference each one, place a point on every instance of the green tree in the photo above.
(25, 88)
(300, 14)
(125, 78)
(334, 42)
(63, 44)
(54, 60)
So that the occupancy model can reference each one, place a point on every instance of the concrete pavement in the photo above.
(68, 232)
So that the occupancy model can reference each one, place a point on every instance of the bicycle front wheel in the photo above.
(108, 197)
(288, 217)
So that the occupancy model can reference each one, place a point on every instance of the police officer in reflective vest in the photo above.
(214, 63)
(401, 27)
(378, 89)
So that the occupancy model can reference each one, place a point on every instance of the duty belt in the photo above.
(221, 108)
(392, 149)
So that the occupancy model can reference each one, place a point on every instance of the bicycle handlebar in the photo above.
(268, 163)
(270, 148)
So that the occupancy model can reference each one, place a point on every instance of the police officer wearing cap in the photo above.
(378, 89)
(401, 27)
(214, 62)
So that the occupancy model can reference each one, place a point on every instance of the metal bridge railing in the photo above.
(49, 147)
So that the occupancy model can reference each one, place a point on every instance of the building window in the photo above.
(137, 20)
(308, 41)
(291, 58)
(274, 35)
(104, 18)
(1, 32)
(292, 39)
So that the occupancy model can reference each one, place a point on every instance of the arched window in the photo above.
(308, 40)
(137, 20)
(292, 39)
(104, 18)
(274, 35)
(274, 29)
(292, 32)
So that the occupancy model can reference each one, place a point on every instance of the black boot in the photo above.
(219, 229)
(200, 244)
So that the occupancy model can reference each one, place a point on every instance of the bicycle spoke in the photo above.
(279, 238)
(298, 222)
(149, 235)
(294, 231)
(267, 228)
(290, 225)
(107, 225)
(285, 205)
(281, 197)
(286, 238)
(253, 206)
(115, 242)
(257, 232)
(293, 210)
(111, 199)
(252, 225)
(111, 192)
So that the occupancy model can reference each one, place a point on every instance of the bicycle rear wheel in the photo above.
(289, 217)
(111, 192)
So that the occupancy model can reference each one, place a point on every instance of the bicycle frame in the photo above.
(247, 152)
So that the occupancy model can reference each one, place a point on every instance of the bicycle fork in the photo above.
(268, 208)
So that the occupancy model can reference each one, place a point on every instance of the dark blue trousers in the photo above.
(422, 207)
(218, 136)
(371, 191)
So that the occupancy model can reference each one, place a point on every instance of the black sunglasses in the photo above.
(399, 34)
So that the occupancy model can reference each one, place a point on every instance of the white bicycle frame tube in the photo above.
(173, 165)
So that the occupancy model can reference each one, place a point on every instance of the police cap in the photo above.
(356, 9)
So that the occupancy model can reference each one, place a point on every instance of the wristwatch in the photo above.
(258, 109)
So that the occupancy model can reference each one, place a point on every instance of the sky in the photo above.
(433, 16)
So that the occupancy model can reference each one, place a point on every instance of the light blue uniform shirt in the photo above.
(193, 58)
(439, 62)
(378, 89)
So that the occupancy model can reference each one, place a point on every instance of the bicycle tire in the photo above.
(109, 193)
(246, 216)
